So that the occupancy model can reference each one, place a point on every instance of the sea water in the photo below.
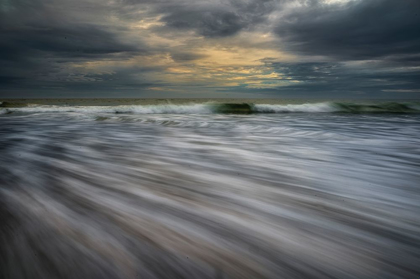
(204, 190)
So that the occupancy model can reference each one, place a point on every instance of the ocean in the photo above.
(209, 189)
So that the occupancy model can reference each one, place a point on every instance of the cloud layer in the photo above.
(217, 48)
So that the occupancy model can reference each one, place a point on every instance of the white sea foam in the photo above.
(317, 107)
(169, 109)
(138, 109)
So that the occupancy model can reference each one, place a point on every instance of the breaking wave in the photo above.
(233, 108)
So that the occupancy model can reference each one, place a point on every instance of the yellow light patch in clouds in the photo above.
(148, 23)
(184, 59)
(238, 56)
(179, 70)
(264, 84)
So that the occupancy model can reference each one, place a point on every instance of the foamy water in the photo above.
(217, 107)
(184, 192)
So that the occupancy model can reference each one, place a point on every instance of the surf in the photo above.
(213, 107)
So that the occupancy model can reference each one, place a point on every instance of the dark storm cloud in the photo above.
(222, 19)
(76, 41)
(384, 31)
(337, 79)
(34, 29)
(357, 30)
(209, 24)
(38, 39)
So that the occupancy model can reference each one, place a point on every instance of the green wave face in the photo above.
(391, 107)
(234, 108)
(337, 107)
(12, 105)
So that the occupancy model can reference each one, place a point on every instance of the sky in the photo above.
(343, 49)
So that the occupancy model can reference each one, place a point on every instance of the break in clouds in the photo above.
(186, 48)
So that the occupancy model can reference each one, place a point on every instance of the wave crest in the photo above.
(232, 108)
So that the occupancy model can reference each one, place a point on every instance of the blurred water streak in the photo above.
(209, 196)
